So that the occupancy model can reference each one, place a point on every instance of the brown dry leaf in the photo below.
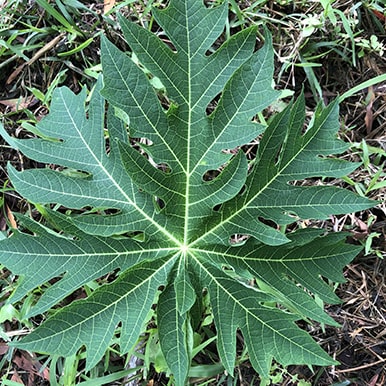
(23, 362)
(374, 380)
(15, 378)
(363, 227)
(11, 217)
(3, 348)
(3, 224)
(108, 5)
(18, 104)
(369, 110)
(32, 366)
(38, 54)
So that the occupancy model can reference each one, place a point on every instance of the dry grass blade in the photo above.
(36, 56)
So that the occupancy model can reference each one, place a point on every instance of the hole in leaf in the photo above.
(164, 100)
(242, 190)
(159, 203)
(292, 215)
(251, 148)
(166, 40)
(99, 211)
(141, 144)
(107, 146)
(135, 235)
(164, 167)
(278, 155)
(212, 104)
(231, 151)
(210, 175)
(270, 223)
(238, 239)
(75, 173)
(217, 208)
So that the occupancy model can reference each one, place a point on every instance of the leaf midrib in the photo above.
(189, 102)
(282, 260)
(115, 254)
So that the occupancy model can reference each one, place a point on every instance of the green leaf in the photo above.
(92, 322)
(172, 326)
(166, 199)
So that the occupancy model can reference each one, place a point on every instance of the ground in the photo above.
(327, 51)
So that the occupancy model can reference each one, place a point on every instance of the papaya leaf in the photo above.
(164, 196)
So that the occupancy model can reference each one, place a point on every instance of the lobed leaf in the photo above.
(163, 195)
